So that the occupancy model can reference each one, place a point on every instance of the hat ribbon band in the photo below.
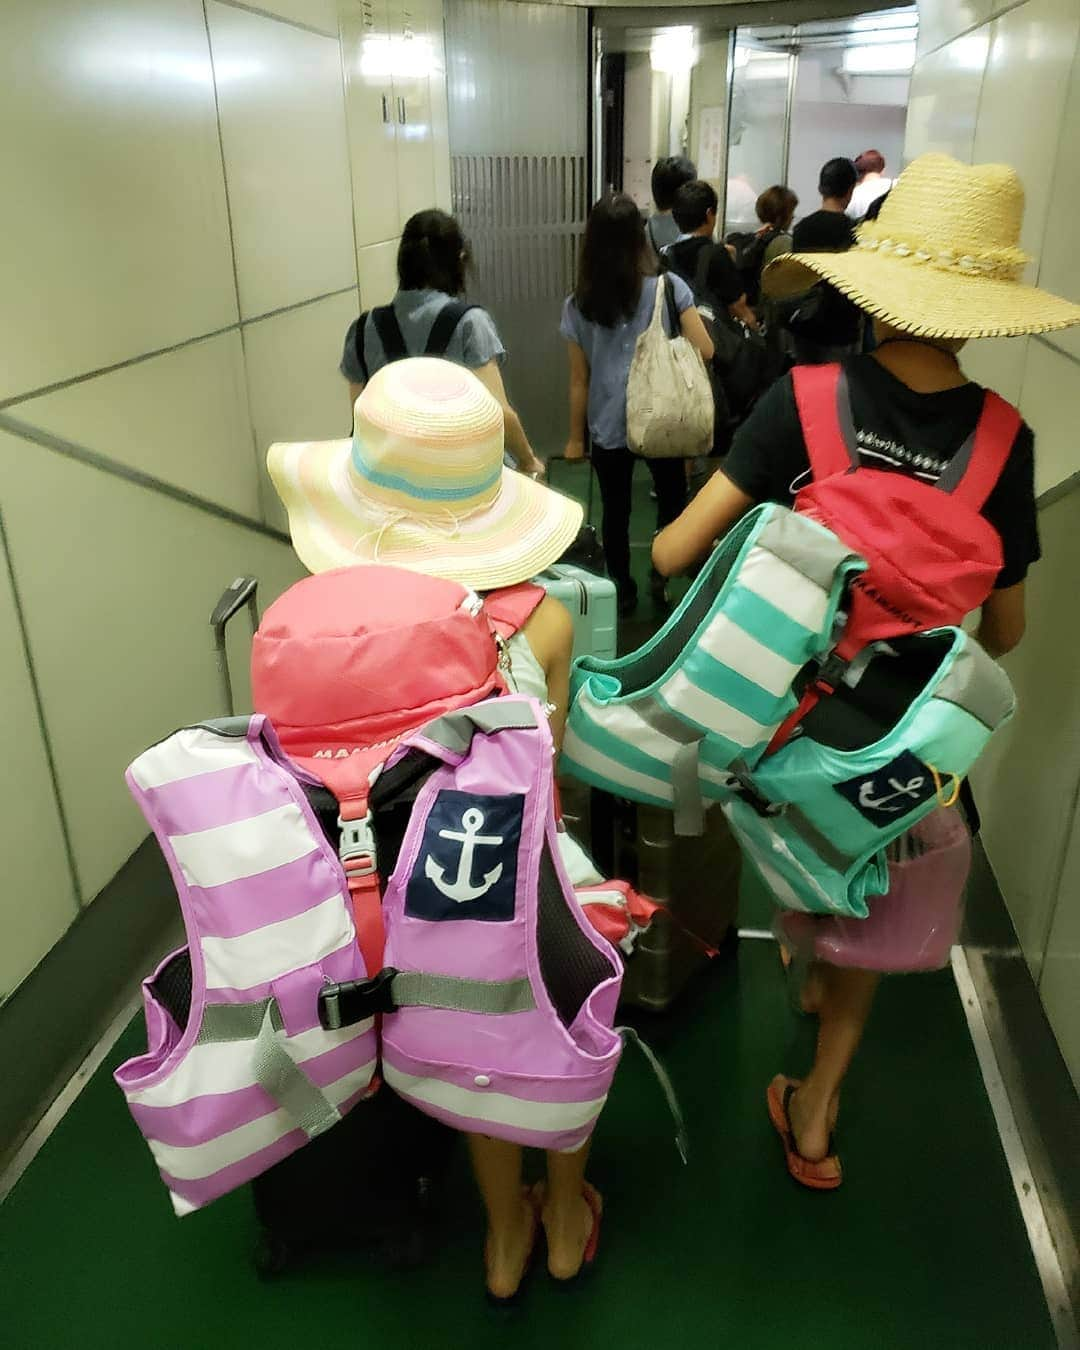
(409, 487)
(965, 262)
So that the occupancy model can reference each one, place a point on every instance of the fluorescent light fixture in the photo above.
(410, 57)
(768, 66)
(674, 50)
(742, 57)
(891, 58)
(894, 19)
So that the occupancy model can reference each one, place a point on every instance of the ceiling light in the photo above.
(674, 50)
(892, 58)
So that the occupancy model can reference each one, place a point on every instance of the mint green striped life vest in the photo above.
(664, 725)
(814, 819)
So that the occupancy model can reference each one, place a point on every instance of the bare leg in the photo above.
(497, 1166)
(567, 1217)
(846, 999)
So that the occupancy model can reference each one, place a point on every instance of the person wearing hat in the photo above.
(939, 266)
(422, 485)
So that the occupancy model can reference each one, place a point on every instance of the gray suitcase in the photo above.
(696, 878)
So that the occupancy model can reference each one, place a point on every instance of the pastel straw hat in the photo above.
(942, 260)
(422, 485)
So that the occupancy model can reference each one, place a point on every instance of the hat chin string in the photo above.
(443, 522)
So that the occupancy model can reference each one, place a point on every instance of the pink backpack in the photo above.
(347, 663)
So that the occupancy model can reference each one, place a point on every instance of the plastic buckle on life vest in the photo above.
(357, 849)
(831, 673)
(345, 1004)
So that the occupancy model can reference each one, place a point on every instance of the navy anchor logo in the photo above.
(461, 889)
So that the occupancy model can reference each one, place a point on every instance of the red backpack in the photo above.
(932, 557)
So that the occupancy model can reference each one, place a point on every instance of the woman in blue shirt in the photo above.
(611, 307)
(432, 260)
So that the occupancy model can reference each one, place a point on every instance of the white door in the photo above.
(413, 61)
(368, 52)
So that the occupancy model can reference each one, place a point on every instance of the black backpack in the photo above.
(393, 340)
(740, 364)
(750, 259)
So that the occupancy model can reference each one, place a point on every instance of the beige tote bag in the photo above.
(669, 400)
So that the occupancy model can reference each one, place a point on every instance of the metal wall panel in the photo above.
(518, 89)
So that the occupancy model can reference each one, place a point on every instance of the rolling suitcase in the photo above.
(696, 879)
(371, 1181)
(592, 605)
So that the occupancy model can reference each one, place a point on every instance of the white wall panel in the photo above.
(114, 233)
(286, 158)
(182, 417)
(1050, 401)
(297, 392)
(320, 14)
(1023, 102)
(942, 20)
(943, 105)
(997, 363)
(1060, 263)
(1026, 781)
(37, 900)
(1061, 966)
(372, 118)
(377, 269)
(117, 592)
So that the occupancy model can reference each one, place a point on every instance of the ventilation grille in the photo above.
(524, 216)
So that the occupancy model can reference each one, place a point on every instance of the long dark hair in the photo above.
(433, 254)
(614, 257)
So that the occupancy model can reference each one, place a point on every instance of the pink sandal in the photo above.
(823, 1175)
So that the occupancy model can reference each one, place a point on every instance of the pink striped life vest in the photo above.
(500, 995)
(238, 1072)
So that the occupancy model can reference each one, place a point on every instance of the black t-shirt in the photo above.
(723, 284)
(898, 430)
(823, 232)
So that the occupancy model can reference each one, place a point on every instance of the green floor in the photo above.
(922, 1247)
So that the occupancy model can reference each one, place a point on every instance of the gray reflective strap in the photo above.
(847, 421)
(666, 723)
(825, 849)
(235, 1021)
(805, 546)
(957, 466)
(275, 1070)
(860, 663)
(417, 989)
(454, 731)
(977, 684)
(282, 1078)
(686, 798)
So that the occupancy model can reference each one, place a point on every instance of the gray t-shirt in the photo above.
(475, 341)
(662, 230)
(609, 352)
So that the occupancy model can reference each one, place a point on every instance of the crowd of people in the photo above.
(933, 264)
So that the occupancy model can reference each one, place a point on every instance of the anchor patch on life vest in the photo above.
(467, 864)
(892, 791)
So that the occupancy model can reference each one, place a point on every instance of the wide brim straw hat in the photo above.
(942, 260)
(422, 485)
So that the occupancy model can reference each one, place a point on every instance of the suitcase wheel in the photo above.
(273, 1256)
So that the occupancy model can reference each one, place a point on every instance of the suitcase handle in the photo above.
(233, 599)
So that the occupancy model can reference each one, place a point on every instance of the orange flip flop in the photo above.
(825, 1175)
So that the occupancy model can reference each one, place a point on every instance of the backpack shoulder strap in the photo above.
(389, 331)
(445, 326)
(977, 466)
(511, 607)
(701, 271)
(358, 344)
(821, 397)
